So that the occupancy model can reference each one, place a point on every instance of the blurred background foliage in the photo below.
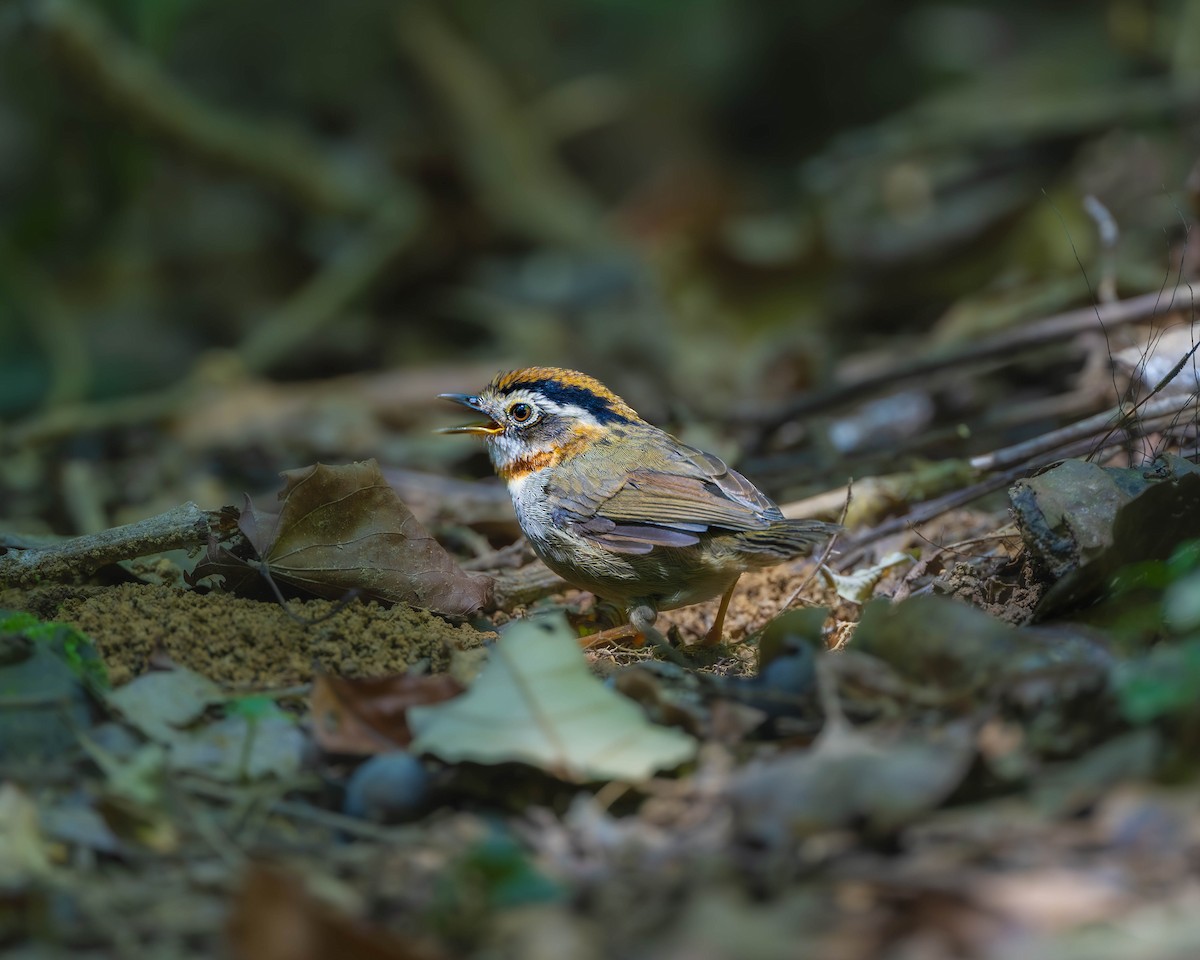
(706, 203)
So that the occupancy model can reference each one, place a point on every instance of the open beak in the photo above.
(489, 429)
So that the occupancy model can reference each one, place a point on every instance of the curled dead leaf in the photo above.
(342, 528)
(274, 917)
(370, 715)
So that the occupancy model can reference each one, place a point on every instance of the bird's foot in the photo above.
(636, 632)
(626, 634)
(642, 619)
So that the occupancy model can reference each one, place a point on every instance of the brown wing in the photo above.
(668, 500)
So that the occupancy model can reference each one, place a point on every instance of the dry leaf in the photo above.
(23, 858)
(342, 528)
(369, 715)
(850, 777)
(239, 749)
(275, 918)
(859, 585)
(161, 703)
(536, 702)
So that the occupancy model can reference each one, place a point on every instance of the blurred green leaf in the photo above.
(254, 708)
(69, 643)
(1163, 682)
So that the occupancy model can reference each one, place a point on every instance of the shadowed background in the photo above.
(709, 205)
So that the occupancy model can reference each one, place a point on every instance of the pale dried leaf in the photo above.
(161, 703)
(23, 858)
(857, 586)
(238, 748)
(537, 703)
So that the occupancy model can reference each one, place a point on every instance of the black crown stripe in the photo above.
(599, 407)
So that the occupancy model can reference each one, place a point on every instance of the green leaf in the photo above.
(1184, 559)
(69, 643)
(1164, 681)
(254, 708)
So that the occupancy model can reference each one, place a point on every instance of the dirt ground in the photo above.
(247, 644)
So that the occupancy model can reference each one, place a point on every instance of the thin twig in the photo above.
(1106, 226)
(73, 418)
(319, 302)
(825, 554)
(510, 162)
(264, 570)
(1073, 439)
(137, 88)
(327, 294)
(1109, 420)
(925, 512)
(1035, 334)
(183, 526)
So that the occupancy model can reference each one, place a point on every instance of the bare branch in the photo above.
(138, 89)
(1034, 334)
(512, 164)
(327, 294)
(183, 526)
(524, 585)
(1111, 420)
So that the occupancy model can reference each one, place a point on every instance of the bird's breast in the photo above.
(528, 492)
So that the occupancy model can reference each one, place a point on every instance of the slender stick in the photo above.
(1039, 333)
(139, 89)
(1110, 420)
(183, 526)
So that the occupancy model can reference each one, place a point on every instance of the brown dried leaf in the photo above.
(235, 574)
(342, 528)
(370, 715)
(274, 917)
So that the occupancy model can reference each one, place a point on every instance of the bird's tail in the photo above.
(785, 540)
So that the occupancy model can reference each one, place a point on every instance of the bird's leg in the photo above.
(715, 633)
(624, 633)
(640, 627)
(642, 618)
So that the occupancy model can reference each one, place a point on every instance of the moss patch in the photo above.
(245, 643)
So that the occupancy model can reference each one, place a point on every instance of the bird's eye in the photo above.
(520, 412)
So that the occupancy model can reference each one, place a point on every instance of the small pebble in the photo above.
(388, 788)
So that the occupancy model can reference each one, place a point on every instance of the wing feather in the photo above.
(665, 503)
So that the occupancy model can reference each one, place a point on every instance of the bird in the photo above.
(621, 508)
